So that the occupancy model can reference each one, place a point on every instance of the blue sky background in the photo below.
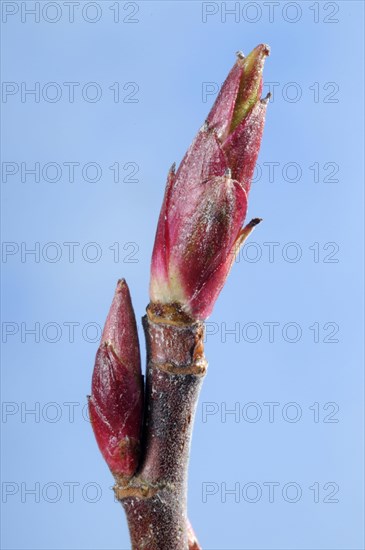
(170, 53)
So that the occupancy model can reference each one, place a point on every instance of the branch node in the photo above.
(198, 368)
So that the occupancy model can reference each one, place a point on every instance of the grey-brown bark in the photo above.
(155, 498)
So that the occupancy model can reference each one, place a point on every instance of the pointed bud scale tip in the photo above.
(120, 326)
(240, 91)
(117, 390)
(250, 88)
(205, 202)
(267, 98)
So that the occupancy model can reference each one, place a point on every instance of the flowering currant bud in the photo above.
(200, 226)
(116, 402)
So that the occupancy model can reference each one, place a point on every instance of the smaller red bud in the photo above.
(116, 402)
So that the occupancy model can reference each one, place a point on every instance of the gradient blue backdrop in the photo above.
(171, 51)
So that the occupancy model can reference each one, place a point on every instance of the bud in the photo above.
(200, 226)
(116, 402)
